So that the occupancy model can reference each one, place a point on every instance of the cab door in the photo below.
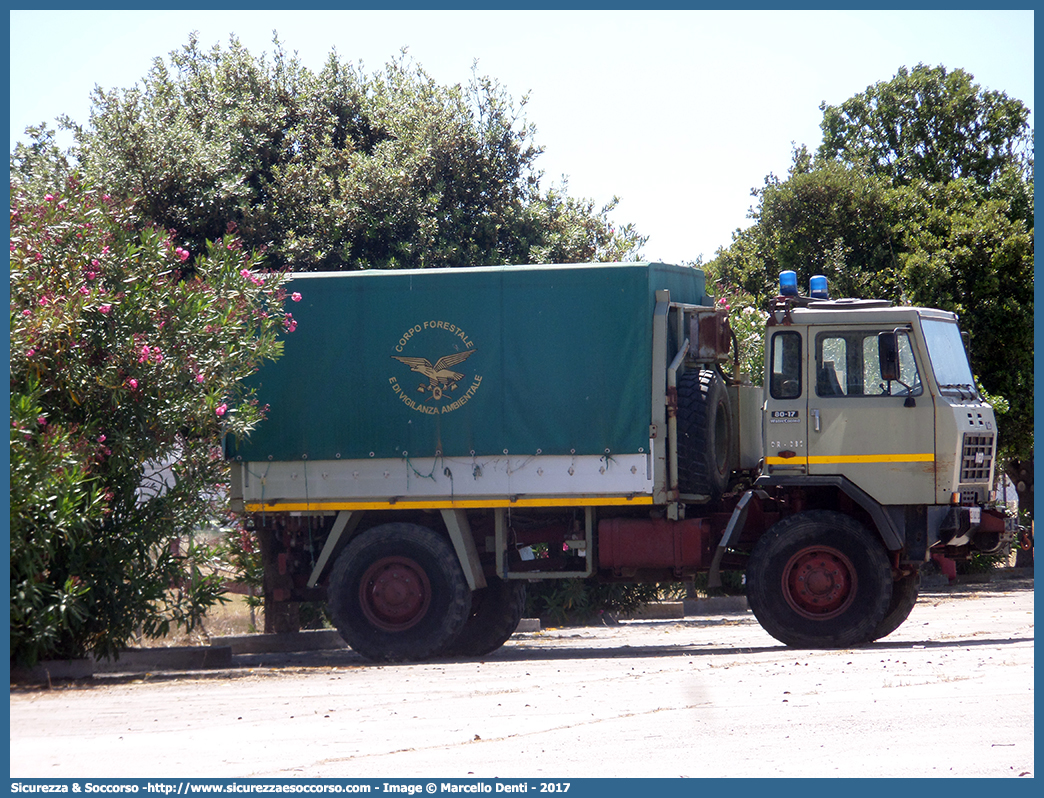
(786, 406)
(879, 434)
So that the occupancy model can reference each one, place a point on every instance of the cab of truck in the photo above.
(881, 402)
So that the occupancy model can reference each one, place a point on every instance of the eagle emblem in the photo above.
(441, 377)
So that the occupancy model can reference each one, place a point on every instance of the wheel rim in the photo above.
(394, 593)
(819, 582)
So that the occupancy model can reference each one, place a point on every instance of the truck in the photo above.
(437, 439)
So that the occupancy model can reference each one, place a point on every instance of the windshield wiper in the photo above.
(964, 390)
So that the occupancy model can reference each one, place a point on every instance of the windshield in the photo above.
(949, 360)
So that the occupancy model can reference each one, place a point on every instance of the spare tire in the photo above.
(704, 434)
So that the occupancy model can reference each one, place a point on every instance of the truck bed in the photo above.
(454, 383)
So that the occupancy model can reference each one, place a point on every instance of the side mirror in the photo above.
(888, 355)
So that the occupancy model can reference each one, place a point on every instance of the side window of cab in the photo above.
(785, 365)
(848, 364)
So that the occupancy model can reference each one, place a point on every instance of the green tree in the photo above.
(125, 373)
(40, 167)
(825, 218)
(928, 123)
(339, 169)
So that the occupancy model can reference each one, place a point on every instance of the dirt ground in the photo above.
(949, 694)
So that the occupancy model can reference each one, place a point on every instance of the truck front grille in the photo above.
(976, 458)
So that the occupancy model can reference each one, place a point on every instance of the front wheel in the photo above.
(397, 592)
(819, 579)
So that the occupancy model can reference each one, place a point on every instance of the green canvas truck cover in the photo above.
(551, 360)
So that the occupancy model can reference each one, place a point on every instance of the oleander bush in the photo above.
(128, 353)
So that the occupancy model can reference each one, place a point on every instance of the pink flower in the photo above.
(104, 309)
(182, 253)
(91, 275)
(48, 198)
(221, 409)
(84, 290)
(246, 275)
(145, 354)
(27, 313)
(133, 384)
(199, 378)
(295, 296)
(101, 439)
(41, 421)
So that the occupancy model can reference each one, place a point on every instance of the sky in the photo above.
(679, 114)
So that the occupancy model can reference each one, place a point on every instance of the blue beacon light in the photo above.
(788, 283)
(817, 287)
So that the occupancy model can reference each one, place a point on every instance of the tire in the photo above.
(495, 613)
(704, 434)
(397, 593)
(819, 579)
(904, 596)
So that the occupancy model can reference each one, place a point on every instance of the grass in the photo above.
(230, 618)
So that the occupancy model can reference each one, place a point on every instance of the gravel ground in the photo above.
(950, 693)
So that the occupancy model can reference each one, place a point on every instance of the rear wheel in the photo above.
(904, 596)
(495, 612)
(819, 579)
(397, 593)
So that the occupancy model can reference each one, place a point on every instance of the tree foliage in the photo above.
(340, 169)
(922, 193)
(125, 372)
(825, 219)
(928, 123)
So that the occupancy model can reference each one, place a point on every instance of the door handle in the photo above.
(815, 419)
